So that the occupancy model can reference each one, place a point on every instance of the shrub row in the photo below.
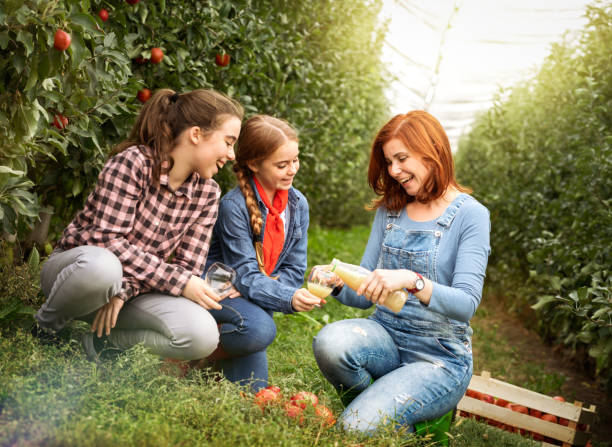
(541, 161)
(313, 63)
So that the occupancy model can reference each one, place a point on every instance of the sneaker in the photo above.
(94, 346)
(45, 336)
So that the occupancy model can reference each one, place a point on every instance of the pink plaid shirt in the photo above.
(144, 226)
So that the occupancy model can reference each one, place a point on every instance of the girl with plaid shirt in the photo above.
(131, 260)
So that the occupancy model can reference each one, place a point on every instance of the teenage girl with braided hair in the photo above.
(130, 262)
(261, 233)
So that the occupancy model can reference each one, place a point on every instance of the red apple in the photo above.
(563, 422)
(156, 55)
(275, 389)
(143, 95)
(132, 2)
(559, 398)
(474, 394)
(304, 398)
(518, 408)
(222, 60)
(549, 417)
(325, 414)
(103, 13)
(61, 40)
(537, 436)
(535, 413)
(487, 398)
(265, 397)
(60, 121)
(501, 402)
(294, 411)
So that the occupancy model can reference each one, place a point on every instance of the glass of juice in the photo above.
(321, 282)
(220, 278)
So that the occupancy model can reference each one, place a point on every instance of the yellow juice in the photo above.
(352, 275)
(319, 290)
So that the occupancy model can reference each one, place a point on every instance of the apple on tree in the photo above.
(156, 55)
(222, 60)
(143, 95)
(60, 121)
(103, 13)
(61, 40)
(132, 2)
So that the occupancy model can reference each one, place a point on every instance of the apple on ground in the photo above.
(60, 121)
(294, 411)
(156, 55)
(266, 397)
(222, 60)
(103, 13)
(304, 398)
(61, 40)
(325, 414)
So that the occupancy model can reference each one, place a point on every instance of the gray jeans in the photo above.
(79, 281)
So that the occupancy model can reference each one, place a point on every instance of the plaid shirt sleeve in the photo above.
(121, 185)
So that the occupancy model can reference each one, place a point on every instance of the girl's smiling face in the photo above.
(405, 167)
(216, 149)
(278, 170)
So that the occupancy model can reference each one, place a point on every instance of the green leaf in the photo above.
(4, 39)
(26, 39)
(86, 22)
(543, 301)
(34, 260)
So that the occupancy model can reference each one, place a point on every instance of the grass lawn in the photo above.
(54, 396)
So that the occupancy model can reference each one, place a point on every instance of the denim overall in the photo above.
(419, 362)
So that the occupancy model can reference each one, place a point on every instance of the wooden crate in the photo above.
(575, 413)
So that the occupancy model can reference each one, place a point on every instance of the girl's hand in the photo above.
(304, 301)
(233, 293)
(381, 283)
(106, 317)
(198, 291)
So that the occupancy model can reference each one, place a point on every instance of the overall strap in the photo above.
(446, 219)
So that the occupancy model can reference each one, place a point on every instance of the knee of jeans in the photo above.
(329, 344)
(201, 337)
(100, 269)
(255, 335)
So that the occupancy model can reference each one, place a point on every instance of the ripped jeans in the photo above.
(414, 375)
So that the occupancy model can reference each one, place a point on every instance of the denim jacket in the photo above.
(233, 245)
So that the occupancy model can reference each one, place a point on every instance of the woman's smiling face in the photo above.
(405, 167)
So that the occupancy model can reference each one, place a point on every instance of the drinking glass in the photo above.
(321, 282)
(220, 278)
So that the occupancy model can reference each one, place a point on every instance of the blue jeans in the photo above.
(401, 377)
(245, 333)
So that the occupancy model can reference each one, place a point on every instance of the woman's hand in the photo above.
(303, 300)
(198, 291)
(106, 317)
(379, 284)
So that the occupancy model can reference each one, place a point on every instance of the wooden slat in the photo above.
(519, 420)
(530, 399)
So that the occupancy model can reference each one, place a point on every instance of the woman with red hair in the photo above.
(430, 238)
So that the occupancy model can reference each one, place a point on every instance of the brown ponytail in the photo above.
(166, 114)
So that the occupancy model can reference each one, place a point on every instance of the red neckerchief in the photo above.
(274, 234)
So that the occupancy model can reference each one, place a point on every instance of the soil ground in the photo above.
(529, 347)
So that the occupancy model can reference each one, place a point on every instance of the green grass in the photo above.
(54, 396)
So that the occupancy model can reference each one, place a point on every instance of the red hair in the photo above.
(422, 134)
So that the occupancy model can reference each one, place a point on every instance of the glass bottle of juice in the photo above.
(353, 275)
